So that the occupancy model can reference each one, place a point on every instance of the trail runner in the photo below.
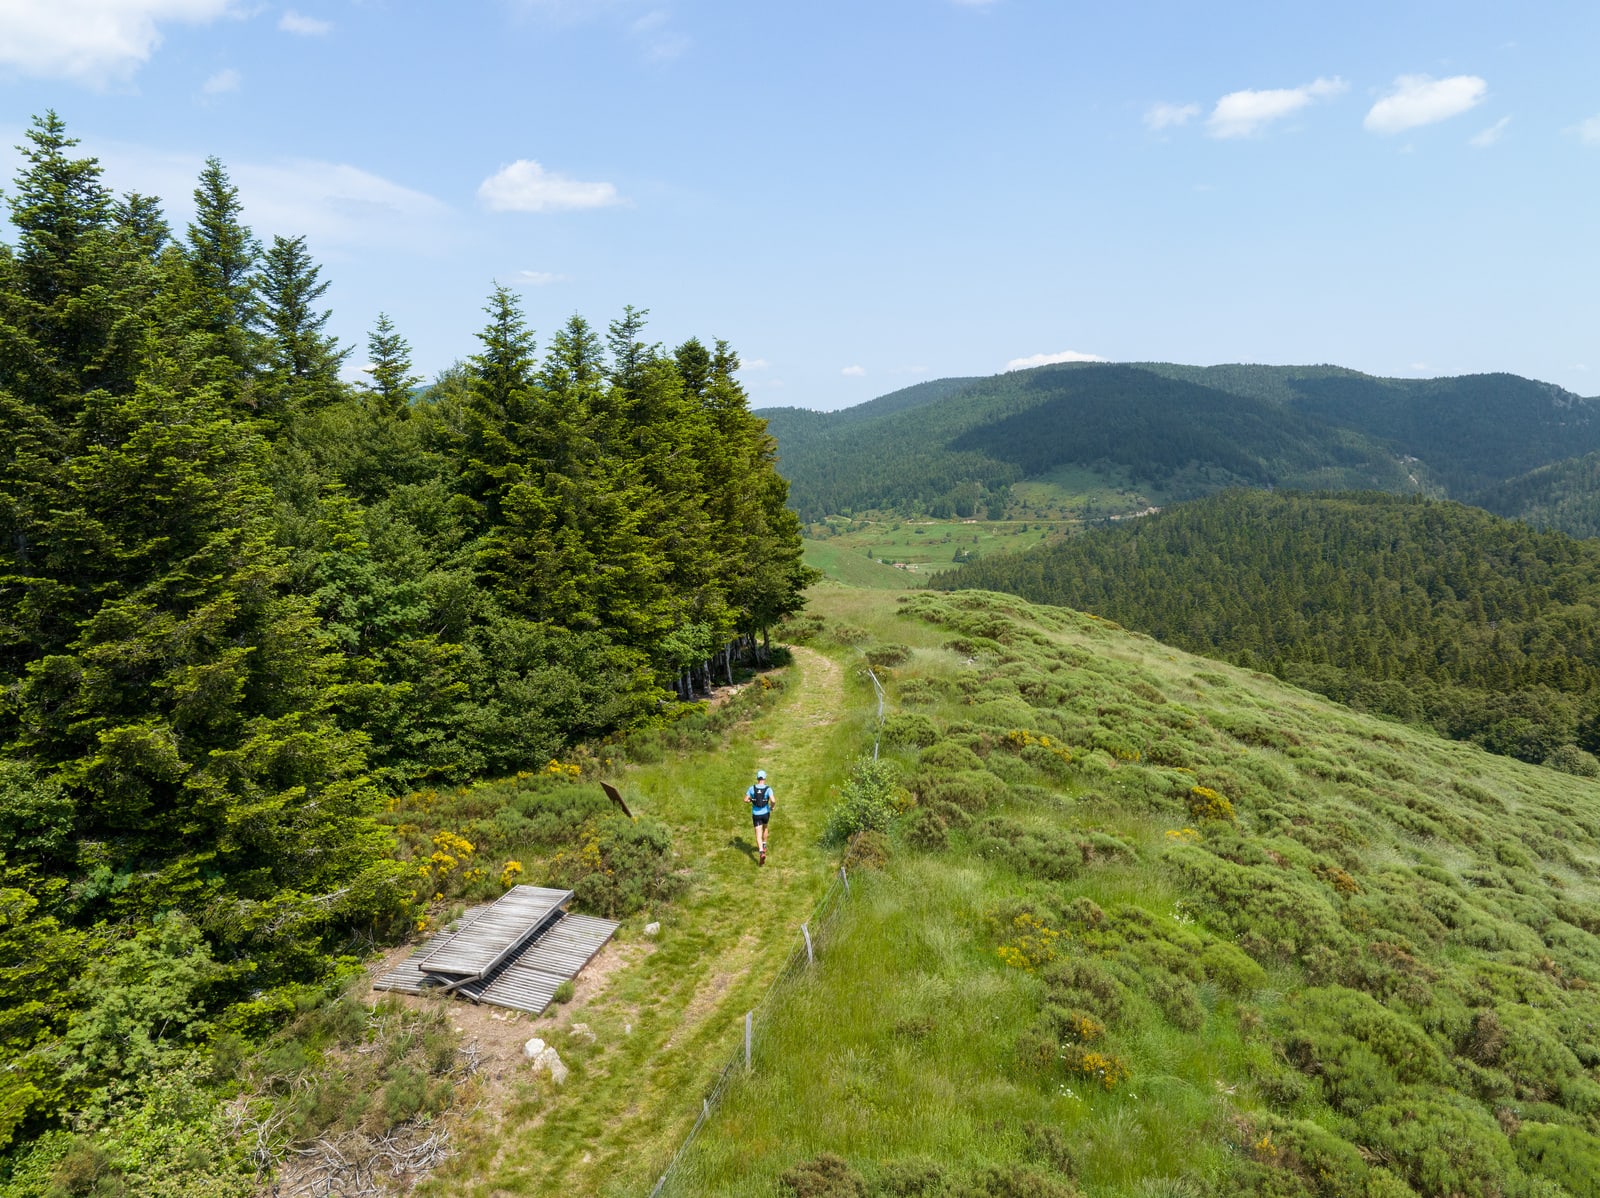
(761, 803)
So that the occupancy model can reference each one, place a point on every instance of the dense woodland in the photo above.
(956, 446)
(1564, 496)
(1425, 610)
(242, 602)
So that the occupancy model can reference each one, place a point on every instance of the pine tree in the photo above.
(302, 361)
(222, 256)
(389, 366)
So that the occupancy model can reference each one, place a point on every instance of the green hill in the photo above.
(1151, 925)
(1564, 496)
(1427, 610)
(957, 446)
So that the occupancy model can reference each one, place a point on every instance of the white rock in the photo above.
(533, 1048)
(581, 1031)
(550, 1060)
(653, 929)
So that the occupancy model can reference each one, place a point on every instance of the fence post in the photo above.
(747, 1015)
(845, 878)
(805, 930)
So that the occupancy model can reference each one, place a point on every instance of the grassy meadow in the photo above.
(1145, 924)
(906, 552)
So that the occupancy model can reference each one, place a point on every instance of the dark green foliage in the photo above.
(927, 830)
(909, 729)
(825, 1176)
(1430, 612)
(1567, 1156)
(1564, 496)
(866, 801)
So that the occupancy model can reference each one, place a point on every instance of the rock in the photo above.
(550, 1060)
(533, 1048)
(653, 929)
(581, 1031)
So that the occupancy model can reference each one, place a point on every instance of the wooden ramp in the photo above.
(508, 954)
(530, 981)
(494, 937)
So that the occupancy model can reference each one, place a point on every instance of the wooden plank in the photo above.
(495, 936)
(407, 977)
(615, 796)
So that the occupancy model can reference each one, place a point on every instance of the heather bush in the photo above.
(909, 729)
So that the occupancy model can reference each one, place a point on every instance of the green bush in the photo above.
(971, 790)
(618, 866)
(1231, 969)
(1036, 852)
(909, 730)
(1570, 759)
(1566, 1155)
(1363, 1052)
(1442, 1144)
(927, 831)
(890, 654)
(866, 800)
(824, 1176)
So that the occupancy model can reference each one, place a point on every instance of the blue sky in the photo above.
(863, 195)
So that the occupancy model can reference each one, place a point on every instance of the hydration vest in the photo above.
(760, 799)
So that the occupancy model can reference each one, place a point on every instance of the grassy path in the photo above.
(667, 1019)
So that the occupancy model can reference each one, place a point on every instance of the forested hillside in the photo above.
(1564, 496)
(242, 603)
(1426, 610)
(1183, 430)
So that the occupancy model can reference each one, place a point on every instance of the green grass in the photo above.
(906, 1042)
(1082, 493)
(839, 547)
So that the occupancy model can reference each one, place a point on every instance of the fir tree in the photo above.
(302, 360)
(389, 367)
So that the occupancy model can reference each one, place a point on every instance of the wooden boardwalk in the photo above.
(511, 954)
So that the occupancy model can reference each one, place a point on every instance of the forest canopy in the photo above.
(1429, 611)
(243, 600)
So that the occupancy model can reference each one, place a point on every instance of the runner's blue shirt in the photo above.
(761, 805)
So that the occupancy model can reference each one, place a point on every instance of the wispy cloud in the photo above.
(1417, 100)
(1066, 355)
(538, 278)
(304, 26)
(92, 42)
(754, 364)
(1589, 130)
(525, 186)
(854, 372)
(1491, 135)
(974, 3)
(1166, 116)
(1246, 113)
(227, 80)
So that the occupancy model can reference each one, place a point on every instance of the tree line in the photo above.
(242, 601)
(1426, 610)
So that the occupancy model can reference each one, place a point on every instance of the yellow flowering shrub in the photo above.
(1033, 944)
(510, 873)
(1205, 803)
(1103, 1068)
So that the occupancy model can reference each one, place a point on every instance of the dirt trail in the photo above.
(667, 1012)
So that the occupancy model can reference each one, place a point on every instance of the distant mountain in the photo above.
(1564, 496)
(1428, 610)
(960, 444)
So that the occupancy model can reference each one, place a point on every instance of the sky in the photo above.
(860, 196)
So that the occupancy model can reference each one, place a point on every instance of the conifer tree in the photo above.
(389, 366)
(222, 255)
(302, 361)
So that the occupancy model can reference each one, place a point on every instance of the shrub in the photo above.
(909, 730)
(1205, 803)
(866, 800)
(971, 790)
(1037, 852)
(913, 1179)
(824, 1176)
(867, 849)
(1016, 1182)
(950, 755)
(618, 866)
(1566, 1155)
(1441, 1145)
(927, 831)
(888, 654)
(925, 691)
(564, 992)
(1570, 759)
(1231, 969)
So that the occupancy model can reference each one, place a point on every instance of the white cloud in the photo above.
(973, 3)
(1492, 134)
(1164, 116)
(1589, 130)
(93, 42)
(525, 186)
(294, 22)
(1245, 113)
(223, 81)
(854, 372)
(1066, 355)
(538, 278)
(1423, 100)
(754, 364)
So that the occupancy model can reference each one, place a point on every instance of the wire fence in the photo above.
(811, 936)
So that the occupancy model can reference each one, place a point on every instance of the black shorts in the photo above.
(760, 821)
